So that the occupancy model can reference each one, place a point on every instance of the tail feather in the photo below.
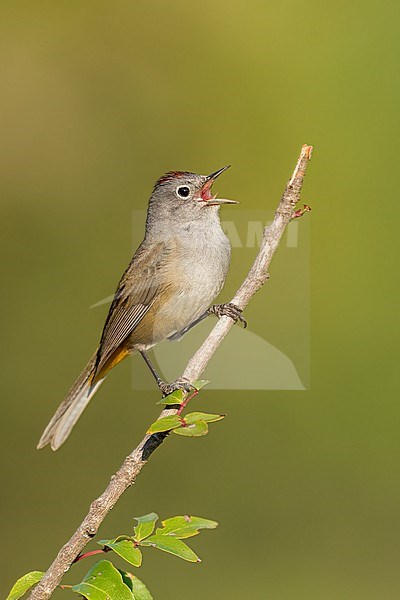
(69, 411)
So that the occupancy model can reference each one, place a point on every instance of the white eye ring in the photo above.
(183, 191)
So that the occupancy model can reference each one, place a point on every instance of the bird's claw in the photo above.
(228, 310)
(178, 384)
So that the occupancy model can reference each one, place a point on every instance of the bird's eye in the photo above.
(183, 191)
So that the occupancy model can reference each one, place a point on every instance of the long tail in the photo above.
(71, 408)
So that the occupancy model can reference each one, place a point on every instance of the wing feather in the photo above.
(122, 325)
(134, 297)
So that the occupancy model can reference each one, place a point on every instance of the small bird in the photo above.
(175, 274)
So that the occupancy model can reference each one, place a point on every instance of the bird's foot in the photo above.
(228, 310)
(178, 384)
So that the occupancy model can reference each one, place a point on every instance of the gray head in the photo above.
(183, 197)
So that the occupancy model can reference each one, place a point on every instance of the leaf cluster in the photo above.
(194, 424)
(105, 582)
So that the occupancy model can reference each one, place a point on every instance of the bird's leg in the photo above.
(220, 310)
(167, 388)
(179, 334)
(151, 367)
(228, 310)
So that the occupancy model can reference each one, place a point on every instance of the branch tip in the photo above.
(307, 150)
(299, 171)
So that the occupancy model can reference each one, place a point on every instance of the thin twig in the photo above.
(134, 463)
(91, 553)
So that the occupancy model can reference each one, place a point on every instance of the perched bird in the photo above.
(173, 277)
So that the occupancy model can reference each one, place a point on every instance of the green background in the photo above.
(97, 100)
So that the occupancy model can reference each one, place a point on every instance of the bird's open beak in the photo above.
(217, 201)
(207, 197)
(216, 174)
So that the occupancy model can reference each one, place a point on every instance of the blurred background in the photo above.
(97, 100)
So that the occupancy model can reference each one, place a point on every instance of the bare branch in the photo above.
(134, 463)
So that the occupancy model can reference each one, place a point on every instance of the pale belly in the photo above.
(186, 304)
(200, 277)
(194, 276)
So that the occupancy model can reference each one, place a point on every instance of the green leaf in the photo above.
(24, 584)
(194, 430)
(200, 416)
(145, 527)
(147, 518)
(175, 398)
(137, 587)
(174, 546)
(183, 527)
(165, 424)
(103, 582)
(126, 578)
(200, 383)
(126, 549)
(140, 591)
